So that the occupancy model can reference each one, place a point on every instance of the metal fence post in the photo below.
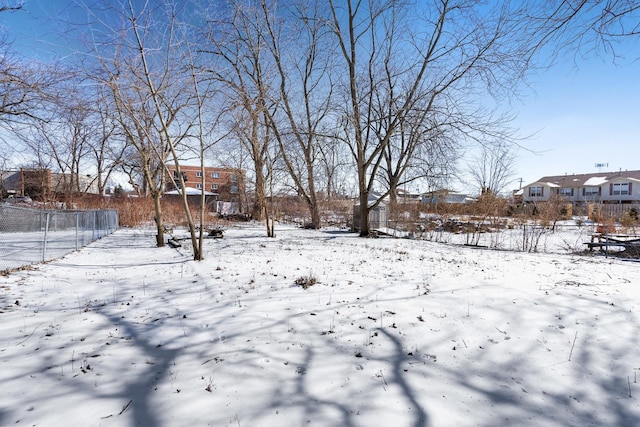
(77, 229)
(46, 236)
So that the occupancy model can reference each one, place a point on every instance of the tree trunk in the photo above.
(269, 222)
(314, 208)
(364, 208)
(393, 200)
(159, 220)
(258, 211)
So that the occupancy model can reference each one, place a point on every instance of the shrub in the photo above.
(306, 281)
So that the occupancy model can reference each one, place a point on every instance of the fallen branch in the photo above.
(125, 407)
(29, 336)
(572, 345)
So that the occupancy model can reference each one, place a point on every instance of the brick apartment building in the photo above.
(224, 184)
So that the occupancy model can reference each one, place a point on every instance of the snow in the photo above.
(595, 181)
(191, 192)
(396, 332)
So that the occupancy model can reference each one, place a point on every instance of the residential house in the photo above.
(406, 197)
(621, 187)
(445, 196)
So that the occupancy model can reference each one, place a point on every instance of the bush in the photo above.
(306, 281)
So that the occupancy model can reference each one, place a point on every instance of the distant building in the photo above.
(10, 183)
(621, 187)
(35, 183)
(225, 185)
(42, 184)
(406, 197)
(445, 196)
(62, 183)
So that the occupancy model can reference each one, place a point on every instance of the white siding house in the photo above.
(605, 187)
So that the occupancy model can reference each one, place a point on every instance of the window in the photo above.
(535, 191)
(214, 186)
(591, 191)
(565, 192)
(620, 189)
(234, 189)
(184, 176)
(233, 178)
(215, 175)
(199, 186)
(199, 174)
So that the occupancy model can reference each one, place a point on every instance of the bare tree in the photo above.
(62, 142)
(144, 154)
(400, 58)
(207, 130)
(423, 146)
(492, 168)
(302, 56)
(585, 26)
(334, 168)
(26, 95)
(105, 144)
(11, 5)
(21, 87)
(142, 63)
(241, 67)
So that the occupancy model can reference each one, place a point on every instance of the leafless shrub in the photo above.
(306, 281)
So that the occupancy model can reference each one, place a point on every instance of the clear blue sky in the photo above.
(580, 112)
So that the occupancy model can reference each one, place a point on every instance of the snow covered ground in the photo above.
(394, 333)
(24, 248)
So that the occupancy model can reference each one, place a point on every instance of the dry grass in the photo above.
(137, 211)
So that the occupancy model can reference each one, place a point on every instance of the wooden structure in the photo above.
(604, 241)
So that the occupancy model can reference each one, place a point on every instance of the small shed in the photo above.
(378, 216)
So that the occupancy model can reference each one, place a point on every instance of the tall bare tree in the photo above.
(302, 53)
(142, 62)
(144, 151)
(106, 147)
(492, 168)
(236, 43)
(400, 57)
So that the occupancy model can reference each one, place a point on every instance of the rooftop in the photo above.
(588, 179)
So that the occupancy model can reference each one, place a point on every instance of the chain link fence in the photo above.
(559, 239)
(524, 237)
(29, 236)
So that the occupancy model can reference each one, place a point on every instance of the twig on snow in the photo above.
(572, 345)
(125, 407)
(29, 336)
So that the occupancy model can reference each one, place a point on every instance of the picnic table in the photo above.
(604, 241)
(211, 233)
